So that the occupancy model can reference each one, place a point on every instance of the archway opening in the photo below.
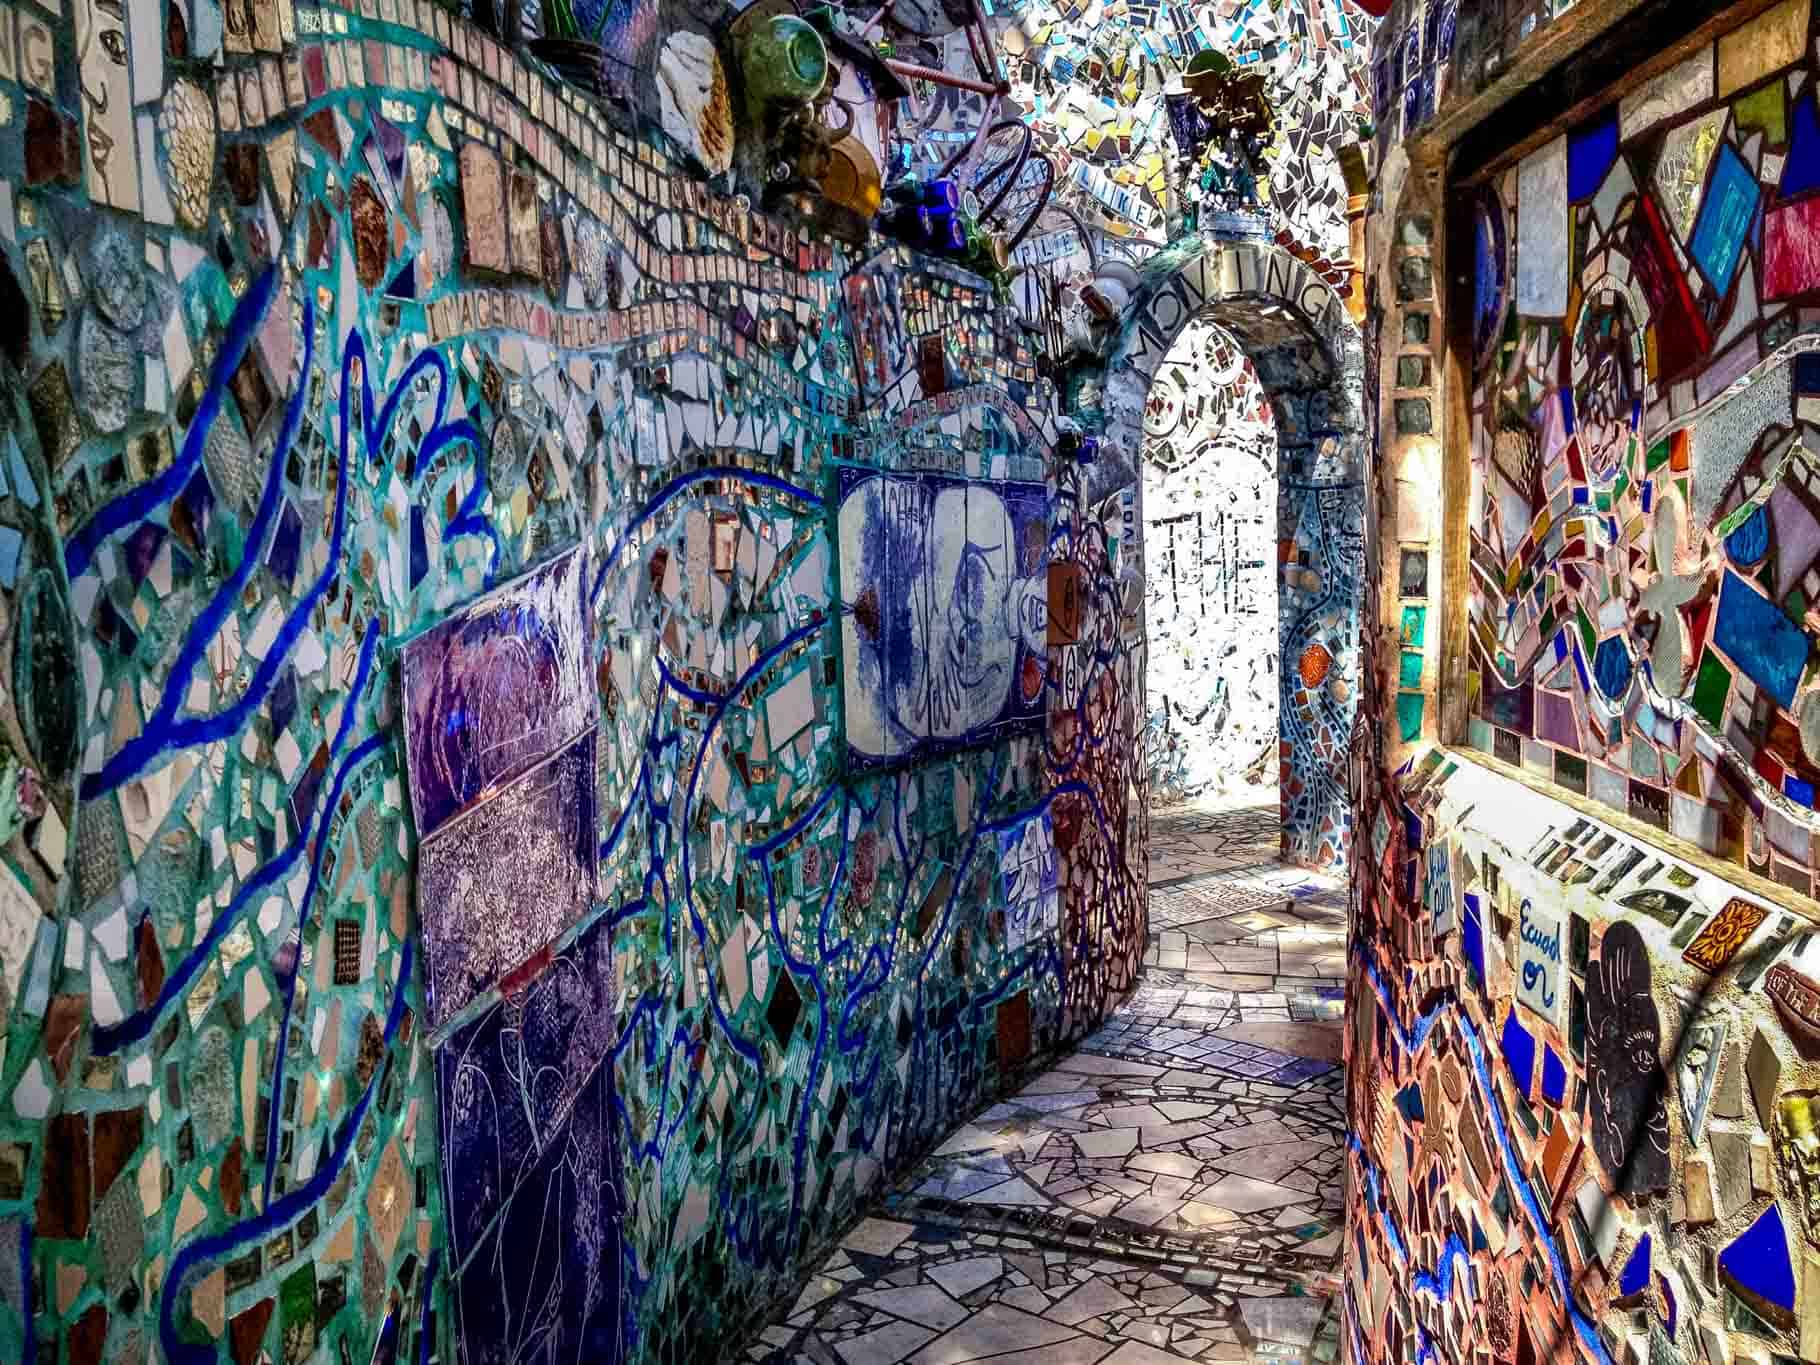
(1209, 470)
(1308, 360)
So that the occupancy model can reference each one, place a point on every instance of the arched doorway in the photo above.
(1309, 358)
(1209, 470)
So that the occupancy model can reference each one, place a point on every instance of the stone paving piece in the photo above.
(1194, 841)
(1209, 1108)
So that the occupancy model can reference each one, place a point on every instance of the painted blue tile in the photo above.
(506, 1081)
(1757, 1262)
(545, 1283)
(1472, 940)
(1519, 1046)
(1554, 1076)
(1635, 1277)
(1802, 173)
(1725, 218)
(1763, 642)
(1591, 153)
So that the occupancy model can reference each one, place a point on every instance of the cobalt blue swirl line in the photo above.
(138, 1025)
(680, 484)
(650, 1003)
(814, 975)
(309, 897)
(163, 730)
(469, 519)
(1583, 1327)
(133, 506)
(281, 1214)
(740, 1045)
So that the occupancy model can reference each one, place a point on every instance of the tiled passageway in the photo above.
(1169, 1192)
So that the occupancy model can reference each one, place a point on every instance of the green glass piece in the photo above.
(1415, 626)
(1411, 675)
(1764, 108)
(1410, 706)
(1711, 689)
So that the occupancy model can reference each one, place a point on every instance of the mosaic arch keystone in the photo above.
(1310, 358)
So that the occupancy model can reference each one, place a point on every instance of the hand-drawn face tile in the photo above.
(1627, 1116)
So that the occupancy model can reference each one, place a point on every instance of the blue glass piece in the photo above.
(1802, 172)
(1798, 791)
(19, 474)
(111, 625)
(1750, 542)
(198, 500)
(140, 549)
(1635, 1277)
(1807, 372)
(281, 704)
(420, 552)
(1409, 1102)
(287, 546)
(1591, 153)
(1519, 1046)
(1554, 1076)
(1757, 1262)
(404, 283)
(1479, 1243)
(1760, 639)
(1472, 939)
(1613, 668)
(1491, 275)
(10, 542)
(1725, 218)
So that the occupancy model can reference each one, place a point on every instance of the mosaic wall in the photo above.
(1645, 542)
(1432, 55)
(556, 727)
(1309, 361)
(1581, 1046)
(1581, 1074)
(1210, 580)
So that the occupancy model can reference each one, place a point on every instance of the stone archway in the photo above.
(1310, 358)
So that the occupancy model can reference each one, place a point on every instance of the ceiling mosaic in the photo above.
(1102, 84)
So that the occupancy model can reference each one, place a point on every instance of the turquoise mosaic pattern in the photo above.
(320, 325)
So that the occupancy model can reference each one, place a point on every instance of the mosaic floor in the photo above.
(1170, 1192)
(1191, 841)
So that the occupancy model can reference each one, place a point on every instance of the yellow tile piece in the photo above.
(1772, 40)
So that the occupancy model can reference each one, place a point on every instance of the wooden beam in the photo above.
(1597, 52)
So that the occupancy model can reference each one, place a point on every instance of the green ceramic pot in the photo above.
(784, 60)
